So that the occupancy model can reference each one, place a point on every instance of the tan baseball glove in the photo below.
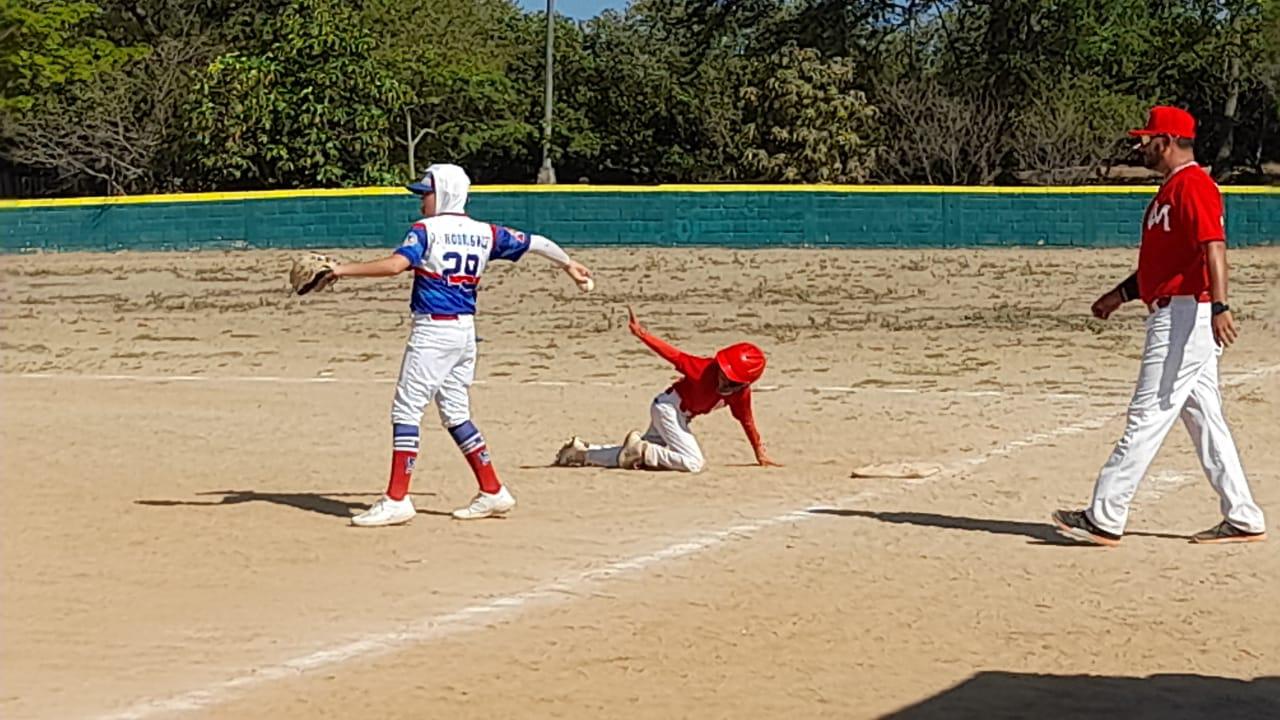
(312, 271)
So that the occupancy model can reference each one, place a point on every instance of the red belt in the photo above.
(443, 317)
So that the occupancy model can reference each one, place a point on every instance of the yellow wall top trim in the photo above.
(201, 197)
(571, 189)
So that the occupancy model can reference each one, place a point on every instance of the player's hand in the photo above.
(1224, 329)
(1107, 304)
(633, 324)
(579, 272)
(763, 460)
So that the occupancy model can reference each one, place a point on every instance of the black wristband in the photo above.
(1129, 288)
(1220, 307)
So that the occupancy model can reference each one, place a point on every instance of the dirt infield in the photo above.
(183, 442)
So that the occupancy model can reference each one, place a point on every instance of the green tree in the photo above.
(1073, 131)
(150, 21)
(464, 100)
(573, 141)
(1205, 55)
(931, 133)
(303, 102)
(46, 45)
(637, 99)
(135, 95)
(806, 122)
(115, 133)
(1270, 41)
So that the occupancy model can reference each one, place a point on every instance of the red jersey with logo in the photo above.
(1185, 214)
(699, 387)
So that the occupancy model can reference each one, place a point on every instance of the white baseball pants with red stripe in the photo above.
(439, 364)
(1179, 378)
(672, 445)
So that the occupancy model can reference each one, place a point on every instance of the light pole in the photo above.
(547, 174)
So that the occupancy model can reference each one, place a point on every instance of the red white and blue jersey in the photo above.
(448, 254)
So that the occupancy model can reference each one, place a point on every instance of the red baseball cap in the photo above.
(1165, 120)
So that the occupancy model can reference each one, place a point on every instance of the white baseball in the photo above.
(587, 285)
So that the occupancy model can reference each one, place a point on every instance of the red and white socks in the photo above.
(473, 448)
(404, 453)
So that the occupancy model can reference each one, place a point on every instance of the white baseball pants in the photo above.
(672, 445)
(439, 364)
(1179, 378)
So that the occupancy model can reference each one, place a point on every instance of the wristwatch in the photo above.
(1220, 307)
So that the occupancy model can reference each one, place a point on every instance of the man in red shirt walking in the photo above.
(1182, 279)
(705, 385)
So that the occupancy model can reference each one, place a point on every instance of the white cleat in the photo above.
(386, 512)
(484, 505)
(572, 454)
(631, 456)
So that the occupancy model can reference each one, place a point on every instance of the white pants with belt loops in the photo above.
(439, 364)
(672, 445)
(1179, 378)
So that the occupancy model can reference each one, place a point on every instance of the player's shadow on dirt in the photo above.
(322, 503)
(1042, 533)
(1006, 695)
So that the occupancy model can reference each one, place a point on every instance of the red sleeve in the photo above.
(740, 405)
(683, 362)
(1202, 214)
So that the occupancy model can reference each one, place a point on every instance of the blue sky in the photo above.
(576, 9)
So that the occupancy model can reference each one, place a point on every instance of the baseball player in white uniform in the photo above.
(448, 252)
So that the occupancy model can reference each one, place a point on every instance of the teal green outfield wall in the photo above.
(742, 219)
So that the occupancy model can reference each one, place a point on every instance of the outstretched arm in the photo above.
(669, 352)
(511, 245)
(545, 247)
(386, 267)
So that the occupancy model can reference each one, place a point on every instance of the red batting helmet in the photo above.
(741, 363)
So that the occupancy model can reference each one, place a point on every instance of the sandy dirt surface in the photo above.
(183, 442)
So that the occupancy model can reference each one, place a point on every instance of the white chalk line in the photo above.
(440, 626)
(570, 587)
(1086, 425)
(329, 380)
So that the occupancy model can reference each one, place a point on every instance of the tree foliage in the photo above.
(47, 46)
(807, 121)
(118, 130)
(303, 103)
(155, 95)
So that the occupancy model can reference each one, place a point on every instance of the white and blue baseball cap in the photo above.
(425, 186)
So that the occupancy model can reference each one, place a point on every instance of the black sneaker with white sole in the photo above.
(1225, 532)
(1076, 524)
